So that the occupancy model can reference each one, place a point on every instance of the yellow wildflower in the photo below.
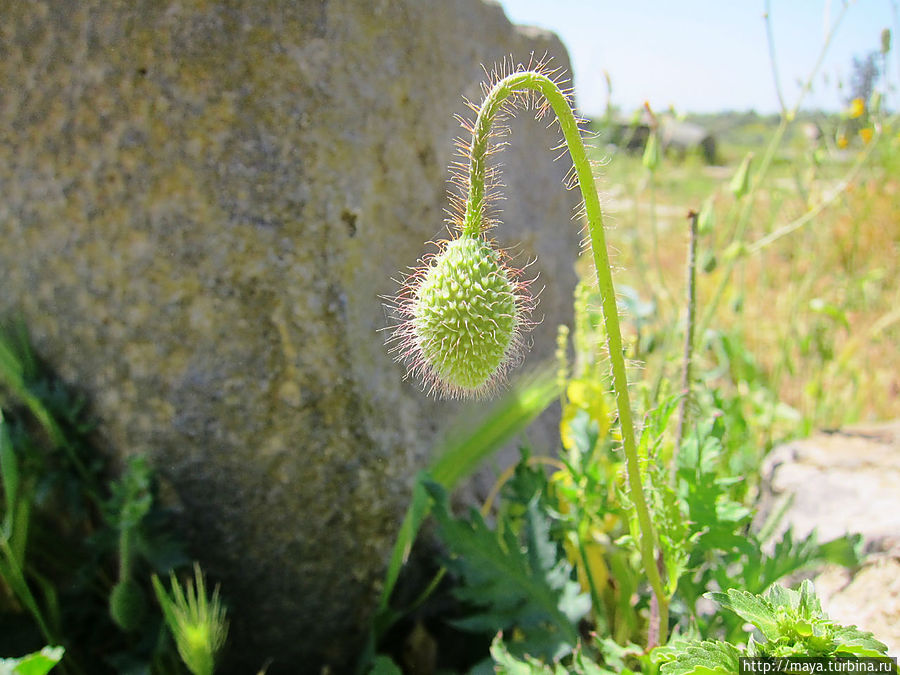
(857, 108)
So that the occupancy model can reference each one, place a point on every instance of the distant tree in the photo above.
(864, 76)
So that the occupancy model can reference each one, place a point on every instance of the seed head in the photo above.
(463, 316)
(196, 621)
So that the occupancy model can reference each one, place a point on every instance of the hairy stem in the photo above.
(530, 80)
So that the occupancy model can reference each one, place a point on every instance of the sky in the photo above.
(711, 55)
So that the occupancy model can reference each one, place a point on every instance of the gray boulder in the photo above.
(203, 203)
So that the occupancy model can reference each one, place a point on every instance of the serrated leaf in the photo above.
(779, 596)
(585, 666)
(846, 550)
(851, 640)
(751, 608)
(507, 664)
(810, 607)
(509, 586)
(705, 658)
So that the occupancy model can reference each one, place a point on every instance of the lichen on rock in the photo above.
(203, 203)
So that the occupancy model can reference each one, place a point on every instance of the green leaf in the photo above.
(751, 608)
(528, 589)
(37, 663)
(809, 607)
(384, 665)
(705, 658)
(779, 596)
(792, 555)
(470, 442)
(851, 640)
(846, 550)
(507, 664)
(9, 474)
(415, 514)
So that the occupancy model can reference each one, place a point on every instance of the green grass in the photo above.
(816, 310)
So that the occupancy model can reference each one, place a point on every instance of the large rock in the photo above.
(203, 203)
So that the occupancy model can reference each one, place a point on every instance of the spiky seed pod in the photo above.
(464, 314)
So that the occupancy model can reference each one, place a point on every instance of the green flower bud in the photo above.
(127, 605)
(651, 152)
(707, 218)
(464, 315)
(740, 183)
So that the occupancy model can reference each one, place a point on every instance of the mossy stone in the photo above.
(203, 204)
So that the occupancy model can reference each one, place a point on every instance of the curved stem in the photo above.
(472, 226)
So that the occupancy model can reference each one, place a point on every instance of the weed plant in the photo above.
(76, 547)
(631, 547)
(637, 552)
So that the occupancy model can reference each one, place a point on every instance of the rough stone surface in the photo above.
(846, 482)
(202, 205)
(869, 599)
(842, 482)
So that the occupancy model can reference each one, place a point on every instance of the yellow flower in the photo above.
(866, 134)
(857, 108)
(842, 141)
(590, 396)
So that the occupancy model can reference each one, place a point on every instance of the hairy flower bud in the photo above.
(464, 314)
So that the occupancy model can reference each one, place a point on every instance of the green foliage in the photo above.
(64, 528)
(726, 551)
(38, 663)
(702, 658)
(792, 624)
(515, 576)
(473, 439)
